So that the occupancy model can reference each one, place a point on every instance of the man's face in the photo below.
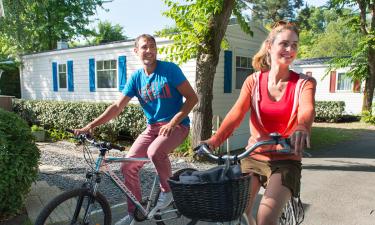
(146, 51)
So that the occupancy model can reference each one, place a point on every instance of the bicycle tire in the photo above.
(177, 173)
(240, 221)
(61, 208)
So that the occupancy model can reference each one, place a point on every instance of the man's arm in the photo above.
(191, 100)
(111, 112)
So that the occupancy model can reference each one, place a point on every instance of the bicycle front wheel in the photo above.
(76, 207)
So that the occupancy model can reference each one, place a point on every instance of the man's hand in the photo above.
(85, 130)
(300, 140)
(167, 129)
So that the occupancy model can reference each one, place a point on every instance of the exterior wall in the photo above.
(353, 101)
(37, 80)
(241, 44)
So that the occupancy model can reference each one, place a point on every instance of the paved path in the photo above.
(338, 185)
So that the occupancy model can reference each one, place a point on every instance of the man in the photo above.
(160, 87)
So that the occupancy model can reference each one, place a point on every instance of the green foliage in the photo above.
(36, 128)
(193, 25)
(57, 135)
(326, 33)
(367, 117)
(37, 25)
(10, 79)
(185, 148)
(63, 115)
(270, 11)
(108, 32)
(18, 162)
(329, 111)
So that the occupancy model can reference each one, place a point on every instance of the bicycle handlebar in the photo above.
(101, 145)
(203, 149)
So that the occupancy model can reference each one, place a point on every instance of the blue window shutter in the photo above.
(92, 74)
(227, 71)
(70, 75)
(54, 76)
(121, 72)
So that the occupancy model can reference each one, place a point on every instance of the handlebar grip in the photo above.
(69, 130)
(118, 147)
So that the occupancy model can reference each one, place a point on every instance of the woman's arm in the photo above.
(234, 117)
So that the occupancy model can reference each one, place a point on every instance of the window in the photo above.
(243, 69)
(62, 75)
(106, 73)
(344, 83)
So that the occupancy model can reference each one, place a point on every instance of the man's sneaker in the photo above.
(165, 199)
(127, 220)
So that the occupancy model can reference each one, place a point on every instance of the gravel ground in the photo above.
(62, 164)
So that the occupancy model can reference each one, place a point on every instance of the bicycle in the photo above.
(86, 205)
(292, 214)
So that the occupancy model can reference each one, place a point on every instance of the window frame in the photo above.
(338, 76)
(97, 70)
(62, 72)
(248, 63)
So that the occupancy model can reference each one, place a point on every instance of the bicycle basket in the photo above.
(212, 202)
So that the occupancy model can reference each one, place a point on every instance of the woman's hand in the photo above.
(300, 140)
(208, 143)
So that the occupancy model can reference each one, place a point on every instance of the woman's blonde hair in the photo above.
(262, 60)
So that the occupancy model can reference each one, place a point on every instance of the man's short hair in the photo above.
(145, 36)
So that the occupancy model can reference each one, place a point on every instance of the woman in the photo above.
(279, 100)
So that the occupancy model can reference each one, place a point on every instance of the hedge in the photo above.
(329, 111)
(63, 114)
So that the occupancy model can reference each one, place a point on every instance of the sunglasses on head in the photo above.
(282, 23)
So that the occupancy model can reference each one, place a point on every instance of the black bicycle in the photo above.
(226, 200)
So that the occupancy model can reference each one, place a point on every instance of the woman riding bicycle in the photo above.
(279, 100)
(160, 88)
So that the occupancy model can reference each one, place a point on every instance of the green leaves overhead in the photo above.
(37, 25)
(191, 30)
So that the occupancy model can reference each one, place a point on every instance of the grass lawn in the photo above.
(325, 134)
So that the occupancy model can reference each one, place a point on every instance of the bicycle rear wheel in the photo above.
(73, 206)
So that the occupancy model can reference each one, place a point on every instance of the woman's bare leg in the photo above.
(254, 187)
(273, 201)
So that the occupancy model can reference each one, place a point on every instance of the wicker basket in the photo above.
(213, 202)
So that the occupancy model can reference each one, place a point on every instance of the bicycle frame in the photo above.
(102, 166)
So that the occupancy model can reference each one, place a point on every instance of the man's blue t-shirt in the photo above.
(157, 92)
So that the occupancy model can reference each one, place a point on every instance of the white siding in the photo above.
(37, 72)
(353, 101)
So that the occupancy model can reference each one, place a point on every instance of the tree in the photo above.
(270, 11)
(37, 25)
(324, 32)
(108, 32)
(362, 60)
(200, 29)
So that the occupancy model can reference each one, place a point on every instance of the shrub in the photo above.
(61, 115)
(18, 162)
(367, 117)
(329, 111)
(36, 128)
(185, 148)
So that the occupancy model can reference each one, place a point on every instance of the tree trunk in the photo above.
(370, 82)
(207, 61)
